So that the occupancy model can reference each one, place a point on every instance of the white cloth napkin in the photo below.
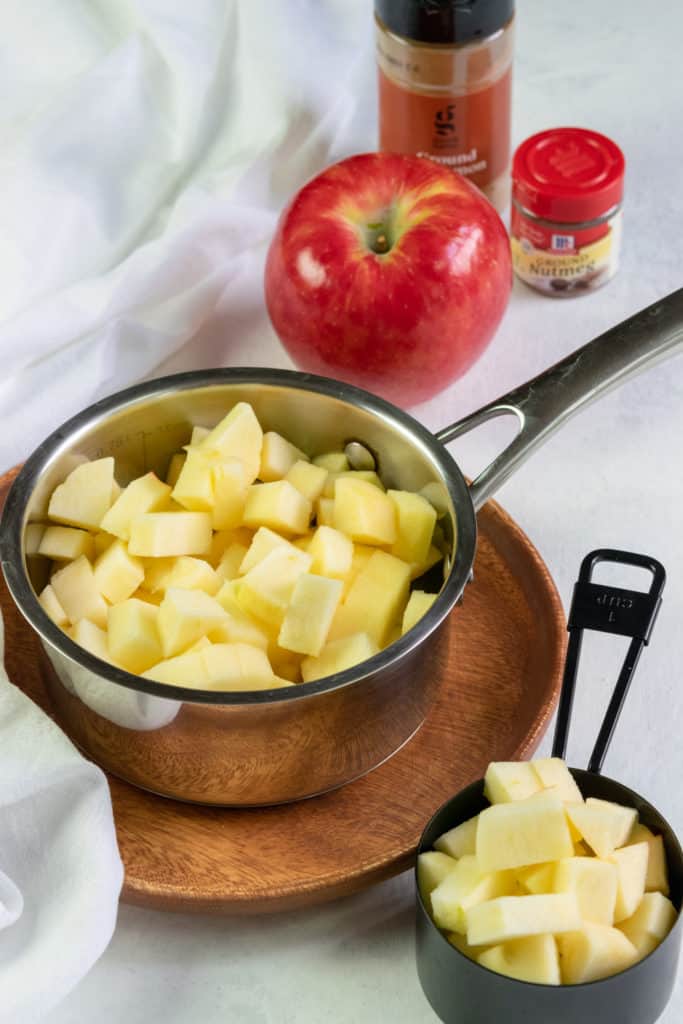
(60, 870)
(145, 150)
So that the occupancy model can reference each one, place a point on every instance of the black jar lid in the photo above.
(444, 21)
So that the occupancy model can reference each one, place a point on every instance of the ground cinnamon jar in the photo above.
(567, 189)
(445, 69)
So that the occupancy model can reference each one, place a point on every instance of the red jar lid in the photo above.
(568, 174)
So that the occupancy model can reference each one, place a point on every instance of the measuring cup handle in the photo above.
(608, 610)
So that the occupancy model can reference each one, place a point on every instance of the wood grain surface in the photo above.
(507, 644)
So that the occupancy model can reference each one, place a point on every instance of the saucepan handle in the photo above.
(543, 404)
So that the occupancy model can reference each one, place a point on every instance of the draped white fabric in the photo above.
(60, 870)
(146, 147)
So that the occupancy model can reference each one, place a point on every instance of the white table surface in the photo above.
(612, 477)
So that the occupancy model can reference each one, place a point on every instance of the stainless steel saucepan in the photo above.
(268, 747)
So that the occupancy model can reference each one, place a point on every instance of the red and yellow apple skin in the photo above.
(390, 272)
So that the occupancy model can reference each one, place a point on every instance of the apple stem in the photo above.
(379, 233)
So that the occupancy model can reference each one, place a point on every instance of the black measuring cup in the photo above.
(460, 990)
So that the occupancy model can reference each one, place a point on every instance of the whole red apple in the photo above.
(388, 271)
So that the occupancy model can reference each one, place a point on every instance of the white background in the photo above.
(79, 321)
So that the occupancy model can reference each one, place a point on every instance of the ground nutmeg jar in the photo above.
(567, 190)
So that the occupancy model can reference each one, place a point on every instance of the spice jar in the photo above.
(445, 69)
(567, 189)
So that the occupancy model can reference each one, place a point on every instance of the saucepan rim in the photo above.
(64, 437)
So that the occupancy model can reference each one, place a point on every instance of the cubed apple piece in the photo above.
(432, 868)
(184, 670)
(324, 511)
(375, 601)
(51, 606)
(185, 616)
(194, 488)
(85, 496)
(237, 436)
(278, 455)
(657, 879)
(307, 478)
(369, 475)
(363, 512)
(157, 571)
(302, 543)
(553, 773)
(459, 841)
(533, 959)
(362, 553)
(65, 543)
(133, 636)
(513, 917)
(650, 924)
(222, 539)
(434, 556)
(266, 590)
(198, 434)
(309, 614)
(231, 488)
(175, 465)
(464, 887)
(118, 574)
(91, 638)
(537, 879)
(228, 567)
(199, 645)
(33, 534)
(594, 883)
(286, 664)
(278, 506)
(506, 781)
(240, 628)
(144, 595)
(415, 521)
(333, 462)
(594, 952)
(524, 832)
(339, 655)
(188, 573)
(145, 494)
(228, 599)
(77, 592)
(631, 865)
(605, 826)
(161, 534)
(239, 667)
(419, 603)
(262, 543)
(102, 541)
(332, 553)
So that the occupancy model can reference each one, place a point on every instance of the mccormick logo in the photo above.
(562, 243)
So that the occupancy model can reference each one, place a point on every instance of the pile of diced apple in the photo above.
(546, 887)
(251, 566)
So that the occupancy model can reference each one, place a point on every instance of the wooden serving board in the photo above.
(495, 702)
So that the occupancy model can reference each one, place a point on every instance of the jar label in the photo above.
(569, 260)
(468, 133)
